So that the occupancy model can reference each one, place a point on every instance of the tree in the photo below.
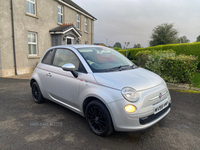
(163, 34)
(198, 38)
(117, 44)
(182, 39)
(137, 46)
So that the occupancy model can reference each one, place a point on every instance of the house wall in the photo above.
(47, 18)
(0, 62)
(71, 18)
(0, 40)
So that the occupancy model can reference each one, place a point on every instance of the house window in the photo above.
(78, 21)
(30, 7)
(85, 24)
(32, 43)
(60, 14)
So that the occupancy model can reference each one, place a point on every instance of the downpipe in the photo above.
(13, 36)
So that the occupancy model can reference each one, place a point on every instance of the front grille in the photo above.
(153, 117)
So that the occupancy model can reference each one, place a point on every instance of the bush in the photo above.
(142, 57)
(123, 52)
(117, 48)
(183, 48)
(179, 69)
(154, 62)
(172, 68)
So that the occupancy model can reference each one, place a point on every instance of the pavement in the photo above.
(21, 76)
(27, 125)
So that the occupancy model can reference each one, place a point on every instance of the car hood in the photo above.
(138, 78)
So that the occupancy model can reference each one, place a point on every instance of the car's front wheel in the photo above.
(98, 118)
(36, 93)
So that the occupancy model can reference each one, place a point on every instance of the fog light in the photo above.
(130, 108)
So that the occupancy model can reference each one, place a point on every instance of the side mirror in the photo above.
(70, 67)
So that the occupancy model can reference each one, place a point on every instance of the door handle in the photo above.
(48, 75)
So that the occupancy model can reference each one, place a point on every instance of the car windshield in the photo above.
(103, 59)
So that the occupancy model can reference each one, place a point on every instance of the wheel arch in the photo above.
(32, 81)
(91, 98)
(36, 79)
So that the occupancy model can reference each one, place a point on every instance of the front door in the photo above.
(69, 41)
(61, 85)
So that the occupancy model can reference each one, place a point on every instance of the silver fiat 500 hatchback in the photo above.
(102, 85)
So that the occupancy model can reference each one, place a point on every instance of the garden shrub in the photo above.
(179, 68)
(142, 57)
(155, 59)
(123, 52)
(172, 67)
(117, 48)
(182, 48)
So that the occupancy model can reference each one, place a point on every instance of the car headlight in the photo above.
(130, 94)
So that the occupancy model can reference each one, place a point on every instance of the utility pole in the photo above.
(126, 46)
(107, 42)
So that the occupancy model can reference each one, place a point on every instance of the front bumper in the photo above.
(144, 116)
(151, 118)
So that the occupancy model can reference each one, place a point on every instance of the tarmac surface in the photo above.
(27, 125)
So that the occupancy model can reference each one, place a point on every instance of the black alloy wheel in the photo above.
(36, 93)
(98, 118)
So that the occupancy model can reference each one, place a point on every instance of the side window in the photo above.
(63, 56)
(48, 57)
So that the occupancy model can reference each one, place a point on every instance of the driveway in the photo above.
(27, 125)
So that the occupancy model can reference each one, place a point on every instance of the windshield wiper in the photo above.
(118, 68)
(134, 66)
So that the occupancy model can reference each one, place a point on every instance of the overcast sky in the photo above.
(133, 20)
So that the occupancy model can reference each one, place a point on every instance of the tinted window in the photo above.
(63, 56)
(48, 57)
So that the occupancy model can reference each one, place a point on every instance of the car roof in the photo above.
(75, 46)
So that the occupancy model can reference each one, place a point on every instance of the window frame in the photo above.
(33, 43)
(54, 50)
(61, 7)
(78, 22)
(85, 71)
(34, 3)
(86, 25)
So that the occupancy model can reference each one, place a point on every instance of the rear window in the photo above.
(48, 57)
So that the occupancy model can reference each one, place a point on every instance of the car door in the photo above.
(61, 85)
(43, 68)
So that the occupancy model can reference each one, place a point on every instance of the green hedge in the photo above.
(122, 52)
(183, 48)
(179, 69)
(172, 67)
(142, 56)
(117, 48)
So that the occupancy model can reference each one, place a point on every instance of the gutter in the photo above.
(13, 36)
(74, 8)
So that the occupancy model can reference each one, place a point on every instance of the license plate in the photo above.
(160, 106)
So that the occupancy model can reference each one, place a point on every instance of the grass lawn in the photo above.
(196, 80)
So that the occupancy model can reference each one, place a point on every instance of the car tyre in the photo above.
(36, 93)
(98, 118)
